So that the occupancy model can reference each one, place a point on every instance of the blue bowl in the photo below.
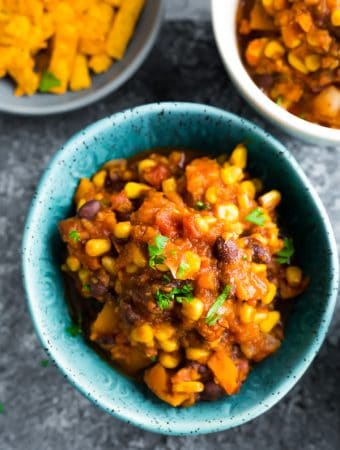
(213, 131)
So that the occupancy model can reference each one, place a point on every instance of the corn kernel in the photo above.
(270, 200)
(81, 202)
(247, 313)
(131, 268)
(293, 275)
(238, 157)
(244, 202)
(335, 18)
(99, 178)
(99, 196)
(169, 360)
(122, 230)
(134, 190)
(97, 247)
(296, 62)
(193, 310)
(109, 264)
(258, 268)
(248, 187)
(211, 195)
(188, 387)
(197, 354)
(73, 263)
(270, 295)
(118, 287)
(190, 264)
(164, 332)
(169, 185)
(84, 275)
(138, 257)
(146, 164)
(227, 212)
(274, 50)
(313, 62)
(142, 334)
(231, 175)
(260, 315)
(169, 345)
(270, 321)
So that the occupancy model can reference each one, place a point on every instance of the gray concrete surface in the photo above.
(42, 411)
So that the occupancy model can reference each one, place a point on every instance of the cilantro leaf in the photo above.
(74, 235)
(182, 269)
(156, 250)
(75, 328)
(153, 358)
(183, 293)
(201, 206)
(284, 256)
(166, 278)
(44, 363)
(2, 408)
(257, 217)
(48, 81)
(213, 316)
(87, 288)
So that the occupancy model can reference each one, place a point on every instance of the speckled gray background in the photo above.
(42, 411)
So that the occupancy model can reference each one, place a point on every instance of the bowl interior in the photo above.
(212, 131)
(141, 42)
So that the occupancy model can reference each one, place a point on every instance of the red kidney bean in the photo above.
(212, 391)
(98, 289)
(226, 251)
(89, 210)
(260, 254)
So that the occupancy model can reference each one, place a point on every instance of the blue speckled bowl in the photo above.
(213, 131)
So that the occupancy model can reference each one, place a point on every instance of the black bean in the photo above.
(89, 210)
(212, 391)
(98, 289)
(260, 254)
(226, 251)
(129, 314)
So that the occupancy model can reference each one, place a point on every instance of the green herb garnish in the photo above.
(244, 257)
(48, 81)
(74, 235)
(75, 328)
(213, 316)
(44, 363)
(279, 100)
(153, 358)
(166, 278)
(184, 293)
(156, 250)
(87, 288)
(284, 255)
(2, 408)
(256, 216)
(201, 206)
(182, 269)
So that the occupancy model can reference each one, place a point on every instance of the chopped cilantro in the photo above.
(75, 328)
(153, 358)
(87, 287)
(2, 408)
(182, 269)
(156, 251)
(279, 100)
(48, 81)
(257, 217)
(74, 235)
(166, 278)
(184, 293)
(284, 255)
(44, 363)
(213, 316)
(244, 257)
(201, 206)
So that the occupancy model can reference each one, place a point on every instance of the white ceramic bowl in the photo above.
(224, 24)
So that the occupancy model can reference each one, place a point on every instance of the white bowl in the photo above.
(224, 25)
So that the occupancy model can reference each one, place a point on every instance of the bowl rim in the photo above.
(224, 27)
(182, 427)
(110, 87)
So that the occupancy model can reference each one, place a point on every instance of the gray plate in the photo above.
(42, 104)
